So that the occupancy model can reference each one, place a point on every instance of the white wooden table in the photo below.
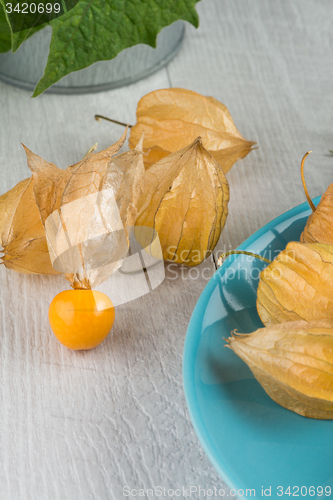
(83, 425)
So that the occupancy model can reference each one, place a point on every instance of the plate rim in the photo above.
(193, 336)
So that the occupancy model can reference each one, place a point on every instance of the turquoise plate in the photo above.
(252, 441)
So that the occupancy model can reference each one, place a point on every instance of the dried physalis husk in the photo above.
(109, 213)
(171, 119)
(319, 226)
(297, 285)
(86, 210)
(294, 364)
(185, 200)
(22, 234)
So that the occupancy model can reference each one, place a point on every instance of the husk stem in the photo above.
(81, 287)
(241, 252)
(101, 117)
(313, 208)
(91, 150)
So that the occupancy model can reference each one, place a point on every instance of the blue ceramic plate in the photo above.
(252, 441)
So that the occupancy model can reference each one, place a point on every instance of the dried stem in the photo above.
(100, 117)
(241, 252)
(313, 208)
(91, 150)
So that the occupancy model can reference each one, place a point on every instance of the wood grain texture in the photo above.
(77, 425)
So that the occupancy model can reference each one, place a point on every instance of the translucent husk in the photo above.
(171, 119)
(294, 364)
(22, 235)
(87, 209)
(297, 285)
(185, 200)
(319, 226)
(73, 221)
(299, 282)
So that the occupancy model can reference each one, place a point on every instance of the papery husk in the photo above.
(319, 226)
(51, 181)
(121, 187)
(22, 234)
(185, 200)
(86, 210)
(106, 189)
(297, 285)
(171, 119)
(294, 364)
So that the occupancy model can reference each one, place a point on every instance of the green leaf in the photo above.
(10, 39)
(25, 16)
(22, 36)
(97, 30)
(5, 32)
